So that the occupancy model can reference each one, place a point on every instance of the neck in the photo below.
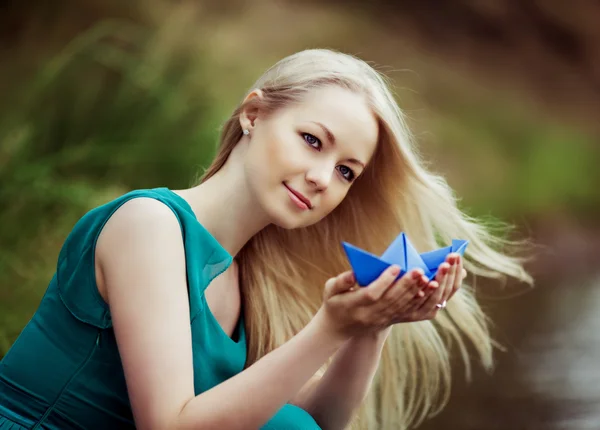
(225, 207)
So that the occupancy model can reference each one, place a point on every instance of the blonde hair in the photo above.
(283, 271)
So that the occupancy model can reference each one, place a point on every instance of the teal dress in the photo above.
(64, 370)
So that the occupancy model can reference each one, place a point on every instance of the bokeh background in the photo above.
(98, 97)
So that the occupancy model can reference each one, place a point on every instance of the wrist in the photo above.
(378, 336)
(325, 326)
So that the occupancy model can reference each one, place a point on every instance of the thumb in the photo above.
(341, 283)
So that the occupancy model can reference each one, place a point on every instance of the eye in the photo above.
(346, 172)
(312, 141)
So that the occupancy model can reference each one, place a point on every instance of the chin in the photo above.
(288, 222)
(287, 219)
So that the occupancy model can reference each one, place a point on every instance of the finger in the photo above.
(454, 260)
(404, 288)
(436, 291)
(449, 281)
(442, 277)
(377, 288)
(407, 291)
(417, 293)
(441, 273)
(328, 287)
(462, 278)
(424, 293)
(436, 296)
(398, 294)
(417, 308)
(458, 277)
(341, 283)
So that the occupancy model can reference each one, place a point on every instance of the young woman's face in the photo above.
(302, 160)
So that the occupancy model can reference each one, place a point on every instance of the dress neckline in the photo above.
(214, 242)
(240, 328)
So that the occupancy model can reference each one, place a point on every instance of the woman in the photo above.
(229, 305)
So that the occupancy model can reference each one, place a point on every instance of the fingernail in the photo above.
(394, 271)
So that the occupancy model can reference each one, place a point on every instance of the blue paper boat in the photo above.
(367, 267)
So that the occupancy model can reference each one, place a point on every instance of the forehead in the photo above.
(346, 114)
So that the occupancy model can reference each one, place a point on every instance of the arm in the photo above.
(332, 399)
(141, 258)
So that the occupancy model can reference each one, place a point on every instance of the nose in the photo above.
(320, 176)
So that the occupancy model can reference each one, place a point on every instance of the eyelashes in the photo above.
(346, 172)
(313, 141)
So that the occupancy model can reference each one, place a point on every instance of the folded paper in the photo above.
(368, 267)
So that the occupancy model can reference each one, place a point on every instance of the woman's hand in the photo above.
(352, 311)
(355, 311)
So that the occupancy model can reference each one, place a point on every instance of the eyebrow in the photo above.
(331, 139)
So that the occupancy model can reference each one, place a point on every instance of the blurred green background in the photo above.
(100, 97)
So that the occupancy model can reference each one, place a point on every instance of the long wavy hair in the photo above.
(282, 272)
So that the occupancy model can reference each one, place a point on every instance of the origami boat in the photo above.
(367, 267)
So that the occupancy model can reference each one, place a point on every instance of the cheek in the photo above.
(270, 160)
(282, 151)
(272, 151)
(332, 201)
(265, 155)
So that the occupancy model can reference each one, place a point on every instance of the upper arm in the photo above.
(141, 255)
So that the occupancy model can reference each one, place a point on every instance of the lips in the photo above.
(299, 196)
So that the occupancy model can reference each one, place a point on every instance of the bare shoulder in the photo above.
(142, 231)
(140, 214)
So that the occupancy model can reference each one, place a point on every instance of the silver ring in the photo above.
(441, 305)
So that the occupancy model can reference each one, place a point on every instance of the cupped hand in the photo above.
(352, 311)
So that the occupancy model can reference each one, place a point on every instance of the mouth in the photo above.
(297, 197)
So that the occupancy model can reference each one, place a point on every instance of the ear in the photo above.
(250, 111)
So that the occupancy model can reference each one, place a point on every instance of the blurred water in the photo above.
(562, 361)
(549, 377)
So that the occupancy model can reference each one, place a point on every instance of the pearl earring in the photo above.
(246, 132)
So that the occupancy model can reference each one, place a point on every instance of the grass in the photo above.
(100, 118)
